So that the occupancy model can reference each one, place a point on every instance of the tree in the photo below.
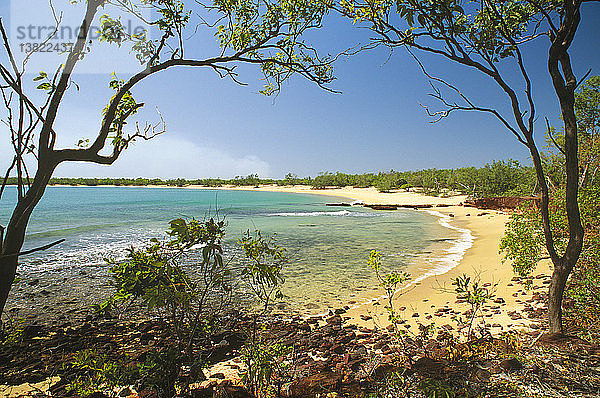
(263, 33)
(489, 37)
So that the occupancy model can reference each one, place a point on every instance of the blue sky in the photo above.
(219, 129)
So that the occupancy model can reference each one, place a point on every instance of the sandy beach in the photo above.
(432, 300)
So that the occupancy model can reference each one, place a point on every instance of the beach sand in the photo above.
(422, 300)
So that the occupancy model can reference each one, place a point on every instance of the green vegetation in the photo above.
(96, 371)
(476, 296)
(190, 302)
(265, 259)
(498, 178)
(523, 244)
(390, 283)
(154, 275)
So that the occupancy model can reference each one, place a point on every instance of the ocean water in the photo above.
(328, 246)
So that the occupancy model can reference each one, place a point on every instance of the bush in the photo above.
(154, 276)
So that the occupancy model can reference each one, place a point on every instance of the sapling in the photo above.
(476, 295)
(262, 272)
(390, 282)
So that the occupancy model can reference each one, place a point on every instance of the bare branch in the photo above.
(549, 130)
(37, 249)
(453, 107)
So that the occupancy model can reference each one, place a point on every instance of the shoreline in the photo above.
(430, 297)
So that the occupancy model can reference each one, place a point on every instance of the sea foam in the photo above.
(313, 213)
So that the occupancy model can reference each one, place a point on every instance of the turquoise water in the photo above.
(328, 246)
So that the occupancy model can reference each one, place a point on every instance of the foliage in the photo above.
(587, 111)
(160, 371)
(499, 178)
(11, 331)
(385, 183)
(476, 295)
(154, 275)
(267, 371)
(262, 272)
(390, 282)
(435, 388)
(97, 372)
(523, 240)
(523, 246)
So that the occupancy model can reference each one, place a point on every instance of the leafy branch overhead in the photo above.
(265, 33)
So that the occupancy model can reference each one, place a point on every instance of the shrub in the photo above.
(154, 275)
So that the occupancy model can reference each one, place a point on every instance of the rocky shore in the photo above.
(329, 355)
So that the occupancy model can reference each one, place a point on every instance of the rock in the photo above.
(147, 394)
(206, 392)
(334, 320)
(481, 376)
(498, 203)
(313, 385)
(230, 391)
(510, 365)
(429, 367)
(32, 331)
(382, 207)
(97, 395)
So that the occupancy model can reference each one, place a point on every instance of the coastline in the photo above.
(431, 298)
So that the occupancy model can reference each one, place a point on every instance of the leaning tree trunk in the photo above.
(15, 231)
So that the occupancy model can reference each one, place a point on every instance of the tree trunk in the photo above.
(15, 231)
(565, 83)
(8, 269)
(555, 297)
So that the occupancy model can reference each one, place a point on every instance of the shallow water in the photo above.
(328, 247)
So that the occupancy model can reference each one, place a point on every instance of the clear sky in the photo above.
(216, 128)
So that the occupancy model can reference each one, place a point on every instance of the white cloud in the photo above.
(170, 157)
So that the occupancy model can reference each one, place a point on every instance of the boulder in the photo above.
(317, 384)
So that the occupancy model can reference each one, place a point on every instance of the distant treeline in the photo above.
(499, 178)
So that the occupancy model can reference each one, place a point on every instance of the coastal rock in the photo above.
(510, 365)
(429, 367)
(311, 386)
(382, 207)
(335, 320)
